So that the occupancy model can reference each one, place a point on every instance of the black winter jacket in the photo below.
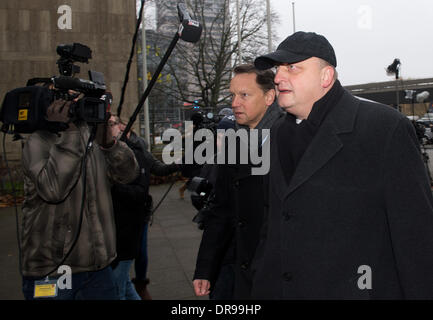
(132, 202)
(129, 204)
(235, 221)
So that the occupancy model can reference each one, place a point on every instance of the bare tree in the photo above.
(202, 71)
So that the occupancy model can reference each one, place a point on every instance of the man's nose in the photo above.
(279, 76)
(235, 102)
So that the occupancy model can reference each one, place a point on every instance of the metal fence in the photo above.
(11, 180)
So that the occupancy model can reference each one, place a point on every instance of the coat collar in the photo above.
(325, 144)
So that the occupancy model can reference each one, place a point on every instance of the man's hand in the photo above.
(201, 287)
(104, 134)
(58, 111)
(114, 125)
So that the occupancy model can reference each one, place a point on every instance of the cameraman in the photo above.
(53, 186)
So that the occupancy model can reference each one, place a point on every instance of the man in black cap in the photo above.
(350, 206)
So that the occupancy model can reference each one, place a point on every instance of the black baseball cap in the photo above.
(298, 47)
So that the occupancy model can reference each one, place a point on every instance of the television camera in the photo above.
(24, 109)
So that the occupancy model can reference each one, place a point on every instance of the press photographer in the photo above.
(198, 172)
(133, 209)
(201, 186)
(69, 166)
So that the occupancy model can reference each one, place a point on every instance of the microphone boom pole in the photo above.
(189, 31)
(150, 85)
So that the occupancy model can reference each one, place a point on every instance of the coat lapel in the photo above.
(277, 181)
(323, 147)
(326, 143)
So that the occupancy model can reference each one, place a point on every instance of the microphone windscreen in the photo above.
(190, 31)
(421, 97)
(183, 12)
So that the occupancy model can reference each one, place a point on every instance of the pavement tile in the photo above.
(171, 291)
(168, 275)
(173, 242)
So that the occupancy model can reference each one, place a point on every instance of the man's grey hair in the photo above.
(324, 63)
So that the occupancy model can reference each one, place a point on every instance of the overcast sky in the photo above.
(367, 35)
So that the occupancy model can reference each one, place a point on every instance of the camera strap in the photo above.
(83, 174)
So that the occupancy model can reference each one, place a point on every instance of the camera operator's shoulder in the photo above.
(41, 136)
(118, 151)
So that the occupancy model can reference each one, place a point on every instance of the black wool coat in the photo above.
(232, 227)
(129, 206)
(359, 200)
(235, 220)
(132, 203)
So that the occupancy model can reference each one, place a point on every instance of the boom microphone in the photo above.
(189, 30)
(423, 96)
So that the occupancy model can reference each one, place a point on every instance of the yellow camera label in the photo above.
(23, 114)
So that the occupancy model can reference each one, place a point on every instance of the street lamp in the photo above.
(394, 69)
(239, 30)
(268, 20)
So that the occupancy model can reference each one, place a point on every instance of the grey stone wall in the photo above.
(30, 33)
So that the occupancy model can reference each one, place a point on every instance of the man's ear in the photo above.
(270, 97)
(327, 76)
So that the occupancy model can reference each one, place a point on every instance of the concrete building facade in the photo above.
(30, 31)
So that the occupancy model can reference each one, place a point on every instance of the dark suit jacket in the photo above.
(235, 220)
(360, 196)
(232, 227)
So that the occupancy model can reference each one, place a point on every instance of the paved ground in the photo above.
(173, 244)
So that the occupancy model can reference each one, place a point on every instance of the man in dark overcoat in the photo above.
(350, 205)
(235, 218)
